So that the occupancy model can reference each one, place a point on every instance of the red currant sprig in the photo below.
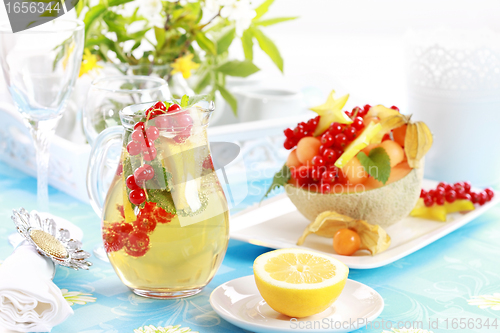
(302, 130)
(450, 192)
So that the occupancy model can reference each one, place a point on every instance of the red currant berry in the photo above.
(145, 222)
(131, 184)
(490, 193)
(144, 173)
(440, 201)
(474, 197)
(423, 193)
(448, 187)
(325, 188)
(366, 108)
(299, 133)
(467, 187)
(162, 122)
(137, 136)
(153, 114)
(464, 196)
(340, 140)
(112, 241)
(451, 196)
(313, 123)
(350, 133)
(330, 156)
(439, 193)
(133, 148)
(183, 120)
(122, 228)
(289, 143)
(458, 186)
(289, 133)
(335, 129)
(483, 198)
(322, 150)
(139, 125)
(442, 184)
(428, 201)
(327, 140)
(316, 174)
(431, 193)
(356, 110)
(149, 154)
(318, 161)
(328, 176)
(152, 133)
(357, 123)
(160, 106)
(395, 108)
(137, 196)
(147, 144)
(174, 108)
(137, 244)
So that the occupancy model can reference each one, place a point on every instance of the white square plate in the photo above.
(277, 224)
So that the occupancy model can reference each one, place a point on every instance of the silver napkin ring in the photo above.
(50, 241)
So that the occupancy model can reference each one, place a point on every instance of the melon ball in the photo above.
(394, 150)
(292, 160)
(307, 148)
(354, 171)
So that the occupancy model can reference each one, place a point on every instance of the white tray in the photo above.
(277, 224)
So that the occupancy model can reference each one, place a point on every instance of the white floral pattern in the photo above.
(76, 297)
(167, 329)
(486, 301)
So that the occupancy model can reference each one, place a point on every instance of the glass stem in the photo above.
(42, 132)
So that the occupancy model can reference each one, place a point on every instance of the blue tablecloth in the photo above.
(435, 283)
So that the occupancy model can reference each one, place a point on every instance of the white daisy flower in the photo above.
(167, 329)
(75, 297)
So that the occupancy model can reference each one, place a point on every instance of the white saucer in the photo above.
(239, 302)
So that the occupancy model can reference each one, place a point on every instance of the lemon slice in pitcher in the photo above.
(299, 283)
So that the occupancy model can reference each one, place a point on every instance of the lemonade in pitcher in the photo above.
(165, 219)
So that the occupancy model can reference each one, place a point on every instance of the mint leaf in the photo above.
(163, 199)
(280, 179)
(377, 164)
(184, 101)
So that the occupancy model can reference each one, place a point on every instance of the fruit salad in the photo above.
(366, 163)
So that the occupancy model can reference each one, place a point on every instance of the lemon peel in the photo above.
(330, 112)
(373, 237)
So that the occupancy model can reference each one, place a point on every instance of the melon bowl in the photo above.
(384, 206)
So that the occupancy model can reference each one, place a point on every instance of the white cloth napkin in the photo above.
(29, 300)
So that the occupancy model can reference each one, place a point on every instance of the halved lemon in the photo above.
(299, 283)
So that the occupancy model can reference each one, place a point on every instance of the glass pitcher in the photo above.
(165, 221)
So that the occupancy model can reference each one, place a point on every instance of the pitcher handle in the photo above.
(100, 149)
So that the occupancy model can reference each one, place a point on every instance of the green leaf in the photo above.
(377, 164)
(160, 37)
(184, 101)
(247, 42)
(163, 199)
(230, 99)
(225, 40)
(238, 68)
(280, 179)
(204, 43)
(269, 47)
(275, 20)
(262, 9)
(203, 82)
(98, 10)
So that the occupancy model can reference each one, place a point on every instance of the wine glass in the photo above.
(107, 96)
(40, 66)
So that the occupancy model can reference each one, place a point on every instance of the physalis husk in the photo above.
(373, 237)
